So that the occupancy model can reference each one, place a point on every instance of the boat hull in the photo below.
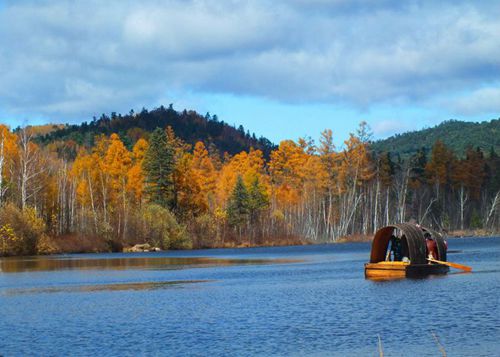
(395, 270)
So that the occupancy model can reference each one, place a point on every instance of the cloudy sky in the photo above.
(283, 69)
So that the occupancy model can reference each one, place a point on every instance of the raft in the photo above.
(413, 247)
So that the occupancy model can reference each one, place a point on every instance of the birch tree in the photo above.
(31, 166)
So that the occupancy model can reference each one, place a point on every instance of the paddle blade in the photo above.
(450, 264)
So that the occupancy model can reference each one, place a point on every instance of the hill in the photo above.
(455, 134)
(188, 125)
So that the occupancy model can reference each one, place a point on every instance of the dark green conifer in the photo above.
(158, 167)
(257, 199)
(238, 205)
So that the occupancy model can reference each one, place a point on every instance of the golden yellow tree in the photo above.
(190, 197)
(117, 163)
(8, 153)
(135, 176)
(204, 170)
(84, 173)
(286, 168)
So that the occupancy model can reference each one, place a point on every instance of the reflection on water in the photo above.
(152, 285)
(378, 279)
(23, 264)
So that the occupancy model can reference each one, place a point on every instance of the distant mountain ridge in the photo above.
(187, 125)
(455, 134)
(192, 127)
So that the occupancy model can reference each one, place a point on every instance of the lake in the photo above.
(282, 301)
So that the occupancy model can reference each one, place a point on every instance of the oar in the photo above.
(453, 265)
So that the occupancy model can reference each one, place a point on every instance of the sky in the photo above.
(282, 69)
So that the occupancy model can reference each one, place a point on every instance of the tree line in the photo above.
(175, 195)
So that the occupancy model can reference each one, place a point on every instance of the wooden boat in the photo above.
(414, 263)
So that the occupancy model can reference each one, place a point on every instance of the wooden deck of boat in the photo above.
(393, 270)
(386, 269)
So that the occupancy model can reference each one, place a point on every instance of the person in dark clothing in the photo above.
(396, 248)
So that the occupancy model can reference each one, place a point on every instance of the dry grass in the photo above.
(276, 242)
(471, 233)
(73, 243)
(355, 238)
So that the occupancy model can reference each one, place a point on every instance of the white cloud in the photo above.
(74, 59)
(388, 127)
(481, 101)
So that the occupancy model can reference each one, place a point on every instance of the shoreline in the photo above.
(471, 233)
(279, 243)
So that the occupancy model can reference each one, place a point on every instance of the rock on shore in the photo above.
(141, 248)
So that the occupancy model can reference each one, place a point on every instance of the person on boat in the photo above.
(431, 247)
(396, 248)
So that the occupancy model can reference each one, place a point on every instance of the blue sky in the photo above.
(282, 69)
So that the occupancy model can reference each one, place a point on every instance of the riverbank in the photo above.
(468, 233)
(69, 244)
(475, 233)
(78, 244)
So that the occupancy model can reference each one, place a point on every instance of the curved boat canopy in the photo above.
(412, 240)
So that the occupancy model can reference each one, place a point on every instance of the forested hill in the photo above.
(457, 135)
(188, 125)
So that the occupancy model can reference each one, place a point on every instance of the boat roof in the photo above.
(414, 237)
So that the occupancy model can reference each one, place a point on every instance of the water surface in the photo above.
(310, 300)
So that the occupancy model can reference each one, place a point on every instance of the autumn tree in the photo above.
(30, 167)
(355, 170)
(84, 173)
(438, 169)
(384, 172)
(247, 165)
(117, 163)
(8, 153)
(135, 179)
(285, 168)
(190, 198)
(467, 177)
(330, 161)
(205, 170)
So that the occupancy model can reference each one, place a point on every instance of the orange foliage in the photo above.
(355, 166)
(135, 176)
(204, 169)
(10, 151)
(191, 199)
(287, 163)
(249, 165)
(438, 169)
(470, 172)
(84, 172)
(296, 172)
(117, 162)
